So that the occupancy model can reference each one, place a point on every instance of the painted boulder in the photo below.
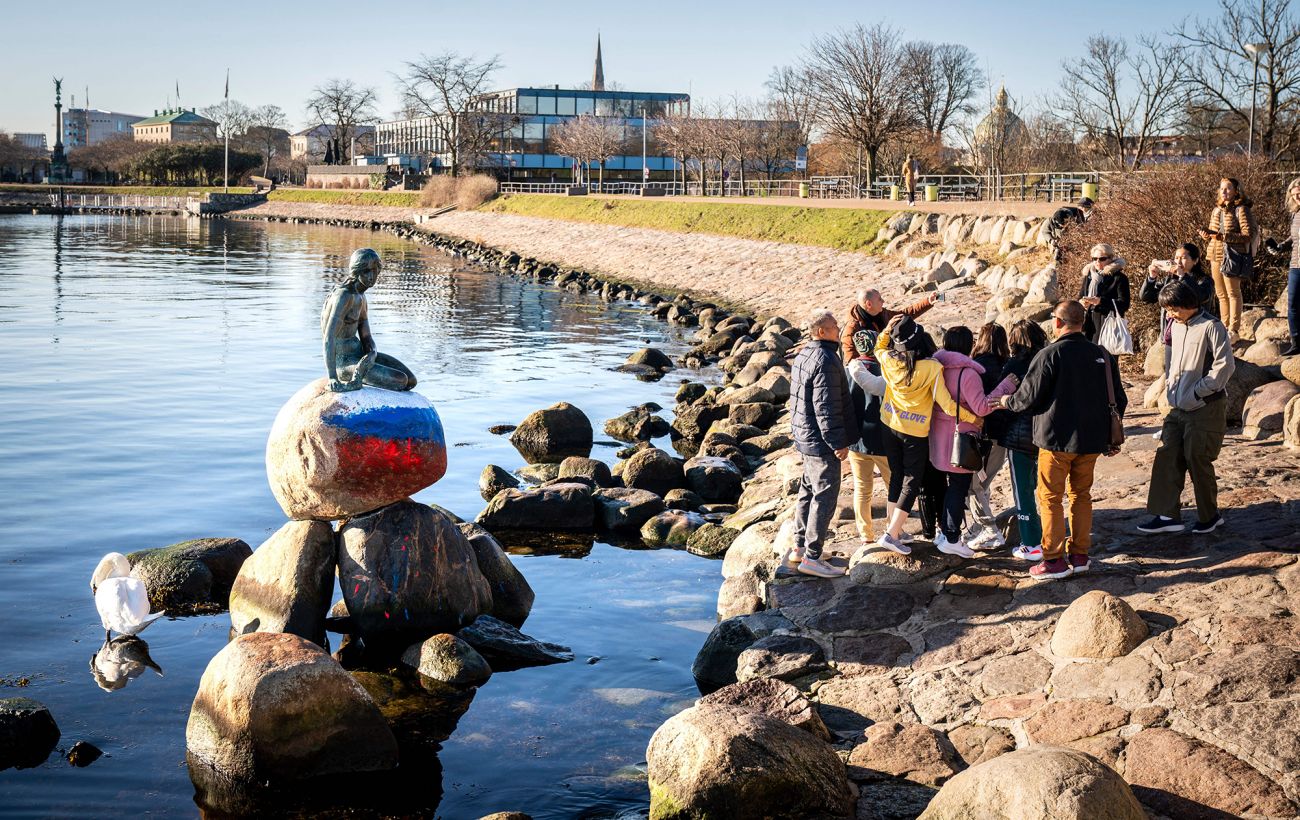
(336, 455)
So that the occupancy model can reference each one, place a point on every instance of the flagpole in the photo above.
(226, 177)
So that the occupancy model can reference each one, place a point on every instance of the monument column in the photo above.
(58, 162)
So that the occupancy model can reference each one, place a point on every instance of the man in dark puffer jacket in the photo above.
(823, 427)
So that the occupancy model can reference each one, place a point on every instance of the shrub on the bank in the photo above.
(1148, 214)
(465, 193)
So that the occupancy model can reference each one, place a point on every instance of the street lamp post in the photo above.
(1254, 49)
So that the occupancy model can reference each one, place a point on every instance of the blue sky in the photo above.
(131, 54)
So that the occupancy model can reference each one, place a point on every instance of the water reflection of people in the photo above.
(120, 661)
(351, 359)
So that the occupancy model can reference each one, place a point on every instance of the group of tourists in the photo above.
(938, 421)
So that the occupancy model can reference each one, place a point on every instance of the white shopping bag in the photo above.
(1114, 335)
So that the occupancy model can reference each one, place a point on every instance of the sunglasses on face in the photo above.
(1101, 259)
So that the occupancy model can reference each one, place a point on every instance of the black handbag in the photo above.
(965, 446)
(1236, 264)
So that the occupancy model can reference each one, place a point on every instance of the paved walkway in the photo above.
(980, 208)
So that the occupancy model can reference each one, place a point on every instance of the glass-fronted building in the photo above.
(521, 120)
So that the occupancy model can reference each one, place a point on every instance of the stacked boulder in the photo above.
(720, 434)
(274, 706)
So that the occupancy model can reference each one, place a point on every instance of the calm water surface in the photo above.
(146, 359)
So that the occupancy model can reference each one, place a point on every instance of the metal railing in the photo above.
(140, 202)
(1053, 186)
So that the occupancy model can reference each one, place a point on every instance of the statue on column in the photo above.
(351, 359)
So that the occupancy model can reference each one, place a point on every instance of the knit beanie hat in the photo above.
(864, 341)
(907, 336)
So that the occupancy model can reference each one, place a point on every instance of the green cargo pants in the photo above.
(1189, 443)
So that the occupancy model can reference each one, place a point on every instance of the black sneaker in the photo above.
(1161, 524)
(1201, 528)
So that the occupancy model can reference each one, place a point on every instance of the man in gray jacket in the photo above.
(1198, 365)
(823, 427)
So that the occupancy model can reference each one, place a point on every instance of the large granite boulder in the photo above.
(335, 455)
(1179, 776)
(287, 583)
(625, 510)
(714, 760)
(672, 528)
(553, 434)
(447, 659)
(564, 506)
(774, 698)
(512, 596)
(1266, 408)
(28, 733)
(713, 479)
(1035, 783)
(1098, 625)
(710, 540)
(650, 357)
(407, 573)
(638, 424)
(493, 480)
(785, 657)
(192, 576)
(1245, 378)
(590, 469)
(275, 708)
(654, 470)
(507, 648)
(917, 753)
(715, 664)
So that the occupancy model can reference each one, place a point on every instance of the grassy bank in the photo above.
(844, 229)
(396, 199)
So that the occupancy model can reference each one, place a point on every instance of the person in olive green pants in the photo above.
(1198, 365)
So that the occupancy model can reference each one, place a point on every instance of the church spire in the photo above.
(598, 79)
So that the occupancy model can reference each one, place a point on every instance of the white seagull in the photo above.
(122, 601)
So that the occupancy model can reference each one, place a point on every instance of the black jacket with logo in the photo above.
(1065, 391)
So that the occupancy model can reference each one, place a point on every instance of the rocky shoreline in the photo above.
(924, 672)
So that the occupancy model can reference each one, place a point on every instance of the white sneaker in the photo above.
(958, 547)
(891, 543)
(1156, 435)
(1033, 553)
(986, 539)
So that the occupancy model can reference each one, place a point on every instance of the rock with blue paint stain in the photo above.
(336, 455)
(407, 572)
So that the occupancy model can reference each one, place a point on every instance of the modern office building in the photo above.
(521, 121)
(91, 126)
(36, 141)
(175, 125)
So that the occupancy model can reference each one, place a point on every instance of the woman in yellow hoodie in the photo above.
(913, 386)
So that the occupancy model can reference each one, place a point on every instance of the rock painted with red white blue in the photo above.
(407, 572)
(336, 455)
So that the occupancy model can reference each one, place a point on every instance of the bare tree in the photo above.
(266, 134)
(680, 136)
(342, 105)
(1120, 98)
(861, 87)
(231, 117)
(589, 139)
(791, 97)
(943, 79)
(774, 141)
(1222, 70)
(1208, 126)
(445, 86)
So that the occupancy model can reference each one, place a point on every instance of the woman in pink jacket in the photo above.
(961, 375)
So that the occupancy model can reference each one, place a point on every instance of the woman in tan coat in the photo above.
(1231, 225)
